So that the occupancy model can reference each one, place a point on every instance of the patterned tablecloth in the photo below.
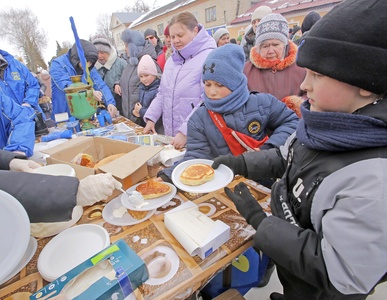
(150, 236)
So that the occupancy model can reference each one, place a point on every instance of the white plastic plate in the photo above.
(223, 176)
(126, 219)
(14, 234)
(31, 249)
(70, 248)
(152, 203)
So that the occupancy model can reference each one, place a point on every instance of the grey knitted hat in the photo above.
(102, 45)
(272, 26)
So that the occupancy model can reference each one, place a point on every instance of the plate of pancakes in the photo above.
(197, 176)
(155, 194)
(116, 214)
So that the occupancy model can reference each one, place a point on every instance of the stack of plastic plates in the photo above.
(70, 248)
(16, 247)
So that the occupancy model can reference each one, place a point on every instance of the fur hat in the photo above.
(272, 26)
(310, 19)
(260, 12)
(166, 30)
(147, 66)
(225, 65)
(102, 45)
(356, 55)
(219, 33)
(135, 41)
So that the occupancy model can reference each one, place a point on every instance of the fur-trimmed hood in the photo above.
(277, 65)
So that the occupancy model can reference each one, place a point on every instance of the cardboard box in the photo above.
(197, 233)
(117, 270)
(128, 169)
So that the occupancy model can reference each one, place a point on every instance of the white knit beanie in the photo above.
(272, 26)
(260, 12)
(219, 33)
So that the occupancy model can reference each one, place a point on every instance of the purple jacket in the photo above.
(181, 85)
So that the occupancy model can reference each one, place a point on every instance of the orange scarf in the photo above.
(237, 142)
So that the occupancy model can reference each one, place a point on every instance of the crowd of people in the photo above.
(302, 114)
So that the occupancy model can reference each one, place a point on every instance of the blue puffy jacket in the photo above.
(18, 82)
(61, 69)
(205, 141)
(17, 130)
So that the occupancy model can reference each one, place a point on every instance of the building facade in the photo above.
(214, 14)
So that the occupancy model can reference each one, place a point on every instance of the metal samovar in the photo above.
(81, 102)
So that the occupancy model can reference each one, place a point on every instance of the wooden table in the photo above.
(192, 272)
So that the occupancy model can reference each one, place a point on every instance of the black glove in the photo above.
(235, 163)
(164, 177)
(246, 204)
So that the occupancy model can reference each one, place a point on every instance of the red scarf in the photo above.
(237, 142)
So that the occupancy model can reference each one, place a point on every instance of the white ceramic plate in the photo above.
(126, 220)
(14, 234)
(70, 248)
(223, 176)
(42, 230)
(152, 203)
(31, 249)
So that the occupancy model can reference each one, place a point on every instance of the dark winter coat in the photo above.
(204, 140)
(52, 201)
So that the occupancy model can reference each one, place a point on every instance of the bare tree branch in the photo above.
(138, 6)
(20, 28)
(103, 28)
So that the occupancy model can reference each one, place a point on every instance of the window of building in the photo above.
(160, 29)
(211, 14)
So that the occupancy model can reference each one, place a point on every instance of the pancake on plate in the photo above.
(137, 214)
(153, 189)
(197, 174)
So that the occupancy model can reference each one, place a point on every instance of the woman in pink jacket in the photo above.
(181, 85)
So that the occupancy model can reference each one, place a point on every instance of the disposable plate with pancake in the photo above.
(223, 176)
(152, 203)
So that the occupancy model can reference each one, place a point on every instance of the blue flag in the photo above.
(81, 53)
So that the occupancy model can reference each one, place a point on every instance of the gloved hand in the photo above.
(23, 165)
(246, 204)
(236, 163)
(95, 188)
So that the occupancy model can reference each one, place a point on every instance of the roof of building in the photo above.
(160, 11)
(127, 17)
(283, 7)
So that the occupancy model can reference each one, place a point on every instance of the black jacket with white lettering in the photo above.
(329, 199)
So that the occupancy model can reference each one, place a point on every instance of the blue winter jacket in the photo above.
(61, 69)
(146, 96)
(17, 130)
(18, 82)
(263, 111)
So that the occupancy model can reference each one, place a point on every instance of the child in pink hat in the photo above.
(149, 73)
